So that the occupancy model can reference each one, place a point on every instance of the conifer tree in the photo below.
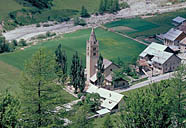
(40, 94)
(101, 7)
(84, 12)
(179, 87)
(100, 75)
(61, 67)
(9, 111)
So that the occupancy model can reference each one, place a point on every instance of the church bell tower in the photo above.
(92, 55)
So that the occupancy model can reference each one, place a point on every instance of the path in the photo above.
(147, 82)
(141, 42)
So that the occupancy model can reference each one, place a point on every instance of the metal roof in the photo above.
(111, 98)
(179, 19)
(162, 57)
(172, 34)
(94, 78)
(103, 111)
(152, 49)
(158, 52)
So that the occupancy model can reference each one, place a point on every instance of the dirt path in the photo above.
(141, 42)
(136, 9)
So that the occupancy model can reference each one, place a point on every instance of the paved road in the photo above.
(147, 82)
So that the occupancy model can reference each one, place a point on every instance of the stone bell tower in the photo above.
(92, 55)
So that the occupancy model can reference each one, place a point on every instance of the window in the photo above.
(94, 49)
(111, 69)
(94, 54)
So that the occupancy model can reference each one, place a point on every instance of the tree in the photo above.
(92, 101)
(3, 45)
(81, 120)
(40, 94)
(179, 87)
(108, 122)
(101, 7)
(148, 108)
(9, 111)
(84, 12)
(100, 75)
(77, 73)
(61, 67)
(41, 4)
(15, 42)
(22, 42)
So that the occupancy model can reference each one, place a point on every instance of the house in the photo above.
(160, 57)
(182, 27)
(92, 56)
(173, 37)
(183, 45)
(110, 100)
(178, 20)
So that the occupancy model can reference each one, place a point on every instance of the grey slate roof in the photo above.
(179, 19)
(183, 41)
(172, 34)
(106, 63)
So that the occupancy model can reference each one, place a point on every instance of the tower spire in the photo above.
(92, 36)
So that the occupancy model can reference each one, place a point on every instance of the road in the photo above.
(147, 82)
(27, 32)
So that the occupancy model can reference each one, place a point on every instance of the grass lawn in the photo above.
(7, 6)
(112, 46)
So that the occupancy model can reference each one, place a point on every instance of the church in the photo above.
(92, 56)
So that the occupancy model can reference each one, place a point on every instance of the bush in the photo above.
(38, 25)
(46, 25)
(14, 42)
(22, 42)
(124, 5)
(78, 21)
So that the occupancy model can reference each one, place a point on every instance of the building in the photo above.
(183, 45)
(159, 57)
(178, 20)
(92, 56)
(110, 101)
(182, 27)
(173, 37)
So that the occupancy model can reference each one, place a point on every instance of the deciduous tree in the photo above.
(61, 67)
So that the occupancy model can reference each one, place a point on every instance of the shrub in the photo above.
(38, 25)
(22, 42)
(46, 25)
(124, 5)
(14, 42)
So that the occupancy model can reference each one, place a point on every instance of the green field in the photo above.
(7, 6)
(112, 46)
(157, 24)
(91, 5)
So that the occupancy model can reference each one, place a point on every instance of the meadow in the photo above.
(112, 46)
(135, 27)
(7, 6)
